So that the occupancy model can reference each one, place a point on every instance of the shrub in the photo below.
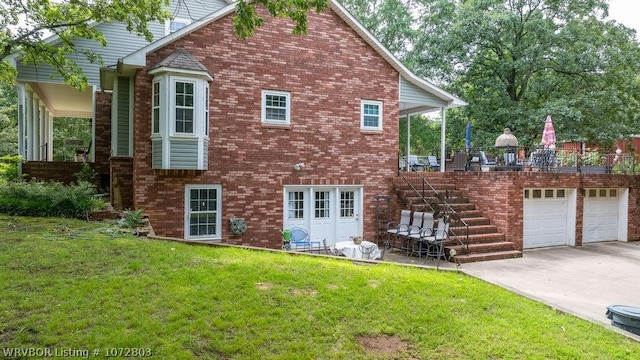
(53, 199)
(132, 218)
(86, 174)
(9, 167)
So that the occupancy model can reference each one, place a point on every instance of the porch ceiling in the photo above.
(64, 100)
(407, 108)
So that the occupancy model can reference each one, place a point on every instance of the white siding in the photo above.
(120, 43)
(412, 94)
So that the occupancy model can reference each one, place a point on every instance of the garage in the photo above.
(601, 215)
(549, 217)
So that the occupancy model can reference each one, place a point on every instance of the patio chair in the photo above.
(413, 228)
(300, 239)
(433, 162)
(393, 228)
(435, 243)
(367, 250)
(485, 160)
(327, 251)
(415, 163)
(417, 245)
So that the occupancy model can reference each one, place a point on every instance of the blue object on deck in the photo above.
(625, 317)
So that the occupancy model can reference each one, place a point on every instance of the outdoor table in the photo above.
(351, 250)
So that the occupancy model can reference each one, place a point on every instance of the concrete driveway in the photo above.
(581, 281)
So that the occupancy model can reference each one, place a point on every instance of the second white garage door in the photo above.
(548, 217)
(601, 221)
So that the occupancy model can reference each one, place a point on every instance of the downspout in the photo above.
(443, 132)
(408, 141)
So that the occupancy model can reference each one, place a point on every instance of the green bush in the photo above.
(53, 199)
(9, 167)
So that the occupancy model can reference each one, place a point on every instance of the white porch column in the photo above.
(21, 119)
(443, 133)
(28, 121)
(42, 154)
(35, 119)
(49, 136)
(28, 142)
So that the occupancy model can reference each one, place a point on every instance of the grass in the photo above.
(75, 285)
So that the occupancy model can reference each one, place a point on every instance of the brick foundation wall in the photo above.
(500, 196)
(328, 72)
(53, 171)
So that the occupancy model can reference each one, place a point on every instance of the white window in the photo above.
(203, 212)
(276, 107)
(175, 25)
(206, 111)
(184, 106)
(371, 115)
(156, 108)
(179, 119)
(347, 203)
(322, 205)
(296, 204)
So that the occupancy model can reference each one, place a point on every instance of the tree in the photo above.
(525, 60)
(516, 61)
(247, 20)
(26, 25)
(8, 120)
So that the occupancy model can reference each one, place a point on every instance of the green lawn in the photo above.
(71, 285)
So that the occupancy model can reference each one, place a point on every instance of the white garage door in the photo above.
(546, 218)
(601, 213)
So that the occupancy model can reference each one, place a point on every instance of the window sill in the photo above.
(371, 132)
(276, 126)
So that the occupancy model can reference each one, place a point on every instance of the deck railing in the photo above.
(441, 209)
(523, 158)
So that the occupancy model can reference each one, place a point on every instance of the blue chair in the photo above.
(433, 162)
(300, 239)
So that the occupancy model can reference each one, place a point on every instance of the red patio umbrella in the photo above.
(549, 133)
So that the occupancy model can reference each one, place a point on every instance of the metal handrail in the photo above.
(447, 209)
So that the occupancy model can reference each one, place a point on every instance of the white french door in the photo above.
(332, 213)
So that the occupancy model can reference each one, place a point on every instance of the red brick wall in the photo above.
(328, 72)
(102, 142)
(500, 196)
(53, 171)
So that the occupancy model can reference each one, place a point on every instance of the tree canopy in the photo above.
(517, 61)
(28, 24)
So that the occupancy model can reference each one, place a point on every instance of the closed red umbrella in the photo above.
(549, 133)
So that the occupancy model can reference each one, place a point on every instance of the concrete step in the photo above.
(483, 247)
(461, 259)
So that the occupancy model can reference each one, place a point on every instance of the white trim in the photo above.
(131, 110)
(187, 211)
(380, 106)
(263, 117)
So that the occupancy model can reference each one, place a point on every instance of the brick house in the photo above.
(201, 129)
